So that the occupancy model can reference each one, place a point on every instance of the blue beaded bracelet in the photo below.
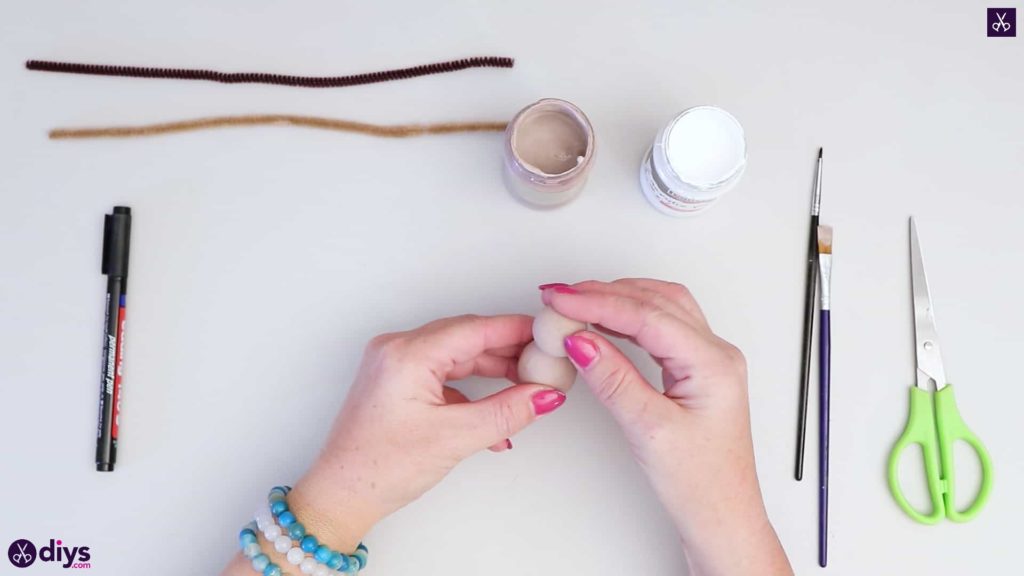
(252, 551)
(345, 563)
(289, 537)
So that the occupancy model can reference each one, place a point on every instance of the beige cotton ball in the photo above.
(540, 368)
(550, 330)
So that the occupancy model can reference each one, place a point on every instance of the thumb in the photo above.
(501, 415)
(614, 379)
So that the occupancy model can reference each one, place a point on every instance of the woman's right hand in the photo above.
(694, 440)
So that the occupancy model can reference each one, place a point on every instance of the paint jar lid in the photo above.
(704, 148)
(549, 149)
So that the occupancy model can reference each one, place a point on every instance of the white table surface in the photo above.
(263, 259)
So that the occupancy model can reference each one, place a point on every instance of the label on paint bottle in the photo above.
(662, 197)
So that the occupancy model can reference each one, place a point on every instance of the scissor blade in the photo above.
(929, 359)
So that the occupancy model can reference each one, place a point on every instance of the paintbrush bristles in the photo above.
(824, 239)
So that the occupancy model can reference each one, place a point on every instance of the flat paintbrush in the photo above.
(812, 274)
(824, 362)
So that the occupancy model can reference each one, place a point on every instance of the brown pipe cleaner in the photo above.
(386, 131)
(265, 78)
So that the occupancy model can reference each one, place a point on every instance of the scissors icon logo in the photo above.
(21, 553)
(1002, 22)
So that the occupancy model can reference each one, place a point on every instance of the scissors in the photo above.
(1001, 24)
(934, 421)
(21, 558)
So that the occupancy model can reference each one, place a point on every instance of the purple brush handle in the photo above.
(823, 365)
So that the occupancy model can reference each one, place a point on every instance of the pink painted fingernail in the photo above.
(581, 350)
(546, 401)
(545, 295)
(552, 285)
(508, 443)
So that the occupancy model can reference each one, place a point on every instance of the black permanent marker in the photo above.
(116, 233)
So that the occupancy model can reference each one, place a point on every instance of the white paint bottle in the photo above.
(696, 158)
(549, 148)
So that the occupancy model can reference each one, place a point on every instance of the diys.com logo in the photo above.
(23, 553)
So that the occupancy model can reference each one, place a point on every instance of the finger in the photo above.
(673, 298)
(503, 446)
(485, 366)
(462, 338)
(673, 292)
(511, 351)
(625, 289)
(615, 381)
(501, 415)
(663, 334)
(453, 396)
(611, 333)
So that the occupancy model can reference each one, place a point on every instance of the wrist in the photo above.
(735, 543)
(332, 509)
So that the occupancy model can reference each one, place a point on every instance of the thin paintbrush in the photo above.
(824, 360)
(812, 273)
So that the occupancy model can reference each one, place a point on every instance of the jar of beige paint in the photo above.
(549, 148)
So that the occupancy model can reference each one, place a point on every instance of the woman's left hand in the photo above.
(402, 429)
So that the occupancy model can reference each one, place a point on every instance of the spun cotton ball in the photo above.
(540, 368)
(551, 328)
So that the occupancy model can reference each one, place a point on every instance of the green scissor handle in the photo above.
(934, 423)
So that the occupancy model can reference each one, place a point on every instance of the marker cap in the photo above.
(116, 235)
